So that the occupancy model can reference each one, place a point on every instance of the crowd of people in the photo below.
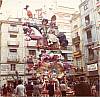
(50, 88)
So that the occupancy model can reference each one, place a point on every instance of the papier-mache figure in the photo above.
(29, 13)
(44, 27)
(43, 31)
(53, 41)
(62, 39)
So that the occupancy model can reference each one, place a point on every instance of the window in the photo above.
(90, 54)
(13, 28)
(86, 6)
(13, 50)
(78, 62)
(89, 35)
(13, 36)
(32, 52)
(12, 67)
(75, 26)
(13, 25)
(87, 20)
(12, 54)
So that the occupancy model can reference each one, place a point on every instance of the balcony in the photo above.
(79, 70)
(90, 42)
(76, 40)
(92, 59)
(13, 43)
(32, 44)
(13, 58)
(11, 73)
(13, 30)
(88, 25)
(77, 54)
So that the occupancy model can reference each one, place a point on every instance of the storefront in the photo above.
(93, 75)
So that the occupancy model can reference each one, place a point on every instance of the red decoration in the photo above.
(29, 14)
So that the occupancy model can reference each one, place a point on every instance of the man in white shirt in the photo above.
(20, 89)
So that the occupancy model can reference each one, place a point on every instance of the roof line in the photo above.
(66, 7)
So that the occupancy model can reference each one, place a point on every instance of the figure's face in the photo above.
(44, 22)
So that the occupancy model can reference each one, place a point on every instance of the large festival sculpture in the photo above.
(48, 38)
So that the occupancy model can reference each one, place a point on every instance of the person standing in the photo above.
(29, 89)
(93, 90)
(9, 90)
(98, 88)
(63, 89)
(36, 89)
(20, 89)
(82, 88)
(4, 91)
(50, 88)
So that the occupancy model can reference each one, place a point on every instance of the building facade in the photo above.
(77, 45)
(90, 17)
(12, 51)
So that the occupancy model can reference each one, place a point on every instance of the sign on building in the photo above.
(92, 67)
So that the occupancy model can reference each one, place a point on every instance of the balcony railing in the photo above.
(13, 58)
(88, 25)
(92, 59)
(13, 30)
(79, 70)
(11, 73)
(89, 42)
(32, 43)
(76, 40)
(69, 48)
(13, 43)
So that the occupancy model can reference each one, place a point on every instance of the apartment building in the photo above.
(77, 41)
(90, 22)
(17, 54)
(12, 51)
